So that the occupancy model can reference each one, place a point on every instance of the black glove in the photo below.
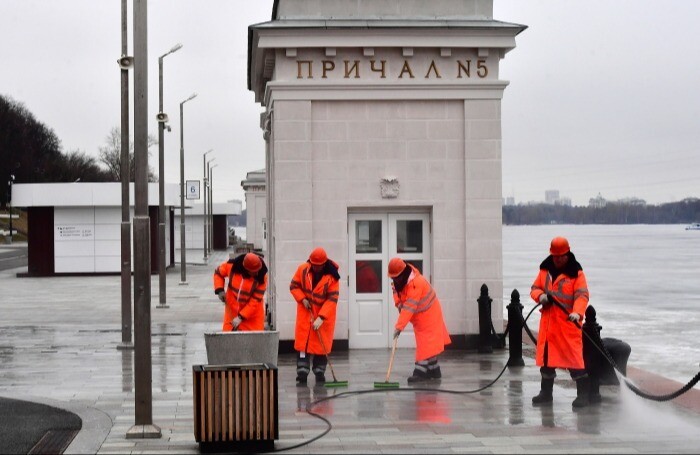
(397, 332)
(222, 296)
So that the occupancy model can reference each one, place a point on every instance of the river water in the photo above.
(644, 282)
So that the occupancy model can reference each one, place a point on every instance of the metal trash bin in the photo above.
(235, 348)
(235, 407)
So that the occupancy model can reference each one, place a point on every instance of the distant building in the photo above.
(256, 208)
(551, 196)
(510, 200)
(196, 224)
(597, 202)
(76, 227)
(565, 201)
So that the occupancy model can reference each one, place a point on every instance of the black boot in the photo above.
(582, 390)
(545, 395)
(418, 376)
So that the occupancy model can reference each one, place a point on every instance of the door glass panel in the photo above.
(368, 236)
(368, 275)
(417, 264)
(409, 236)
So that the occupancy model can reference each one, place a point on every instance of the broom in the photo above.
(335, 382)
(386, 384)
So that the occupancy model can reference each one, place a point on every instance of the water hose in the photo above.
(603, 350)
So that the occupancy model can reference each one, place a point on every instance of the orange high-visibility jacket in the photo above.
(244, 294)
(324, 300)
(419, 305)
(563, 339)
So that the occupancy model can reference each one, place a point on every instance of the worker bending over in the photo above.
(315, 287)
(418, 304)
(243, 298)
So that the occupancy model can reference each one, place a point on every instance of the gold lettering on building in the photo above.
(380, 70)
(328, 65)
(406, 69)
(467, 69)
(433, 68)
(481, 69)
(355, 67)
(308, 65)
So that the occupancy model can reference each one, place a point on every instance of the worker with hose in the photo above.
(418, 304)
(315, 287)
(559, 344)
(243, 297)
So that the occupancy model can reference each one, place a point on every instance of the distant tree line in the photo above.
(32, 152)
(685, 211)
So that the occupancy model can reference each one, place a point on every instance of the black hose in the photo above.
(603, 350)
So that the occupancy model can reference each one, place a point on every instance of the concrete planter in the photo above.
(240, 348)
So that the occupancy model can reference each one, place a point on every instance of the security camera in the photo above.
(162, 117)
(125, 62)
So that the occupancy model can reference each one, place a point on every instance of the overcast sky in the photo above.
(604, 96)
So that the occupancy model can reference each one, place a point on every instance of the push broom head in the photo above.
(334, 384)
(386, 385)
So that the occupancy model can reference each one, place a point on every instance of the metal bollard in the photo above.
(485, 343)
(592, 345)
(515, 330)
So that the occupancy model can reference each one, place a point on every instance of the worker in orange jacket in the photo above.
(243, 297)
(561, 289)
(315, 287)
(418, 304)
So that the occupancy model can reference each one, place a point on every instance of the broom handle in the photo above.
(325, 351)
(391, 361)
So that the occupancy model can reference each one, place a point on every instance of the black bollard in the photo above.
(592, 357)
(485, 341)
(515, 331)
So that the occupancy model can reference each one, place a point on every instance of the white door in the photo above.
(374, 238)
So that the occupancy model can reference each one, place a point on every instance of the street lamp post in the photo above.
(162, 119)
(211, 206)
(9, 200)
(183, 255)
(143, 392)
(125, 170)
(204, 205)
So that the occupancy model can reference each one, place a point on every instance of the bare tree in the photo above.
(78, 165)
(110, 156)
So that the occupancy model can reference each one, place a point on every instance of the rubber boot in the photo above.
(545, 395)
(582, 390)
(418, 376)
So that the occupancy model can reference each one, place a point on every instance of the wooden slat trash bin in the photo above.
(235, 407)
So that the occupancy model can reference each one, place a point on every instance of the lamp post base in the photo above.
(162, 306)
(144, 432)
(183, 283)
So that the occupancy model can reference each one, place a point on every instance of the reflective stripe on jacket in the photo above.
(418, 304)
(563, 339)
(324, 301)
(244, 296)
